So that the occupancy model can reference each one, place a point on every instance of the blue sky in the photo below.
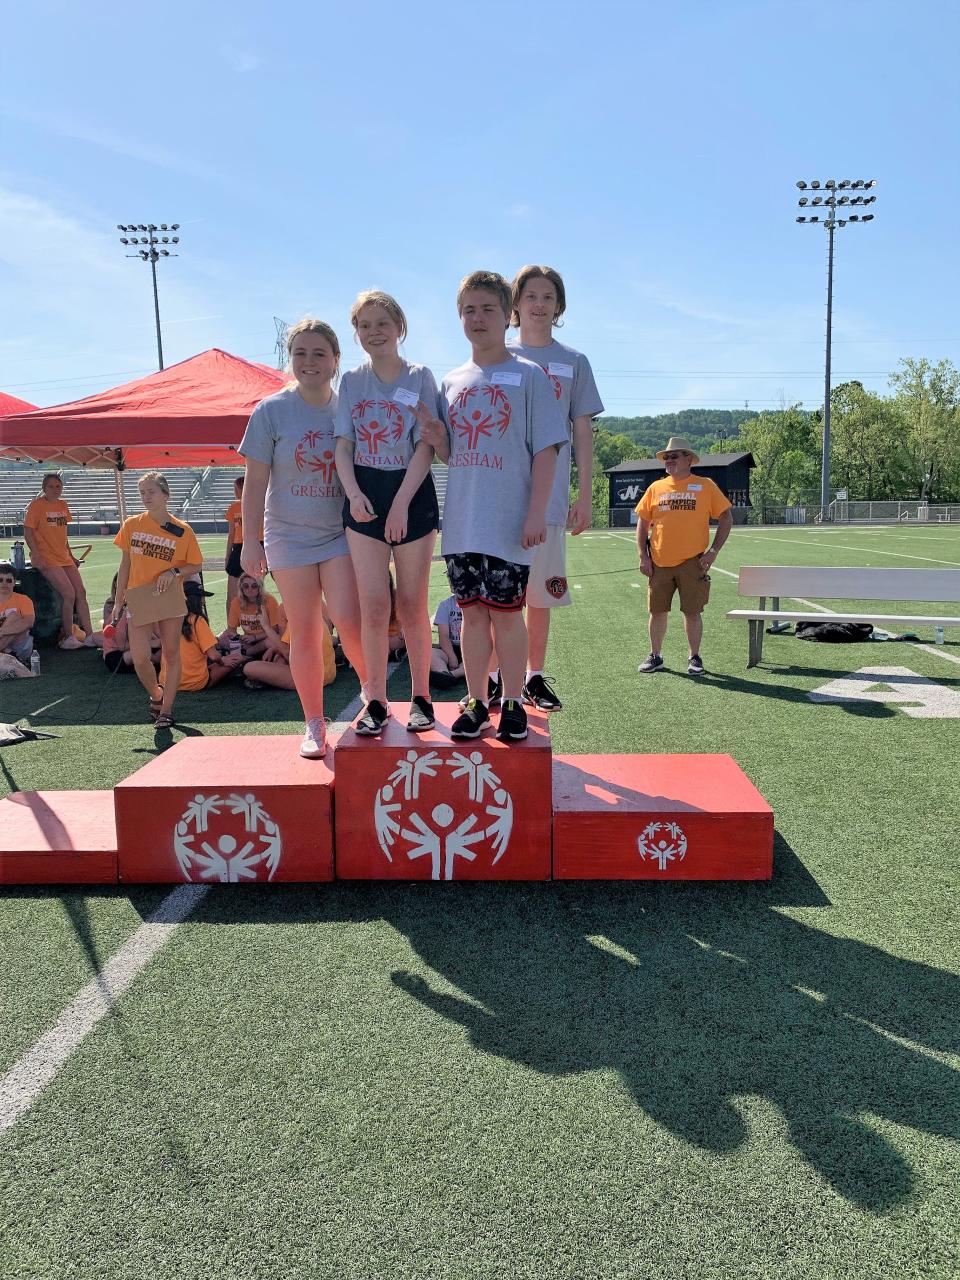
(648, 151)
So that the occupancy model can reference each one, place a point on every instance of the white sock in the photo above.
(531, 674)
(495, 674)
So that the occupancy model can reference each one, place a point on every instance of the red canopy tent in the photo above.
(190, 415)
(10, 404)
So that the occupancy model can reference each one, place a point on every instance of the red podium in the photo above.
(227, 811)
(429, 807)
(58, 837)
(647, 817)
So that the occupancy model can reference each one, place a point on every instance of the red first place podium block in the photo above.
(227, 810)
(58, 837)
(651, 817)
(430, 807)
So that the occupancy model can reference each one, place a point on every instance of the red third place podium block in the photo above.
(227, 810)
(429, 807)
(647, 817)
(58, 837)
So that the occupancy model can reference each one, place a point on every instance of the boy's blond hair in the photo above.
(535, 272)
(493, 283)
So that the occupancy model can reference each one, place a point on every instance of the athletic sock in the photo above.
(531, 674)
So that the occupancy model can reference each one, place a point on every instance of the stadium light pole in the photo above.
(149, 247)
(837, 203)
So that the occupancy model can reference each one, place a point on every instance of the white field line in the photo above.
(840, 546)
(35, 1069)
(32, 1072)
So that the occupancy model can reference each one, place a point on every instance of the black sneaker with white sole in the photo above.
(472, 722)
(494, 690)
(375, 715)
(539, 692)
(653, 662)
(513, 721)
(421, 715)
(695, 665)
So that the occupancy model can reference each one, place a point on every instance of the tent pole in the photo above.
(121, 501)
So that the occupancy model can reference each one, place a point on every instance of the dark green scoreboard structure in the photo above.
(629, 480)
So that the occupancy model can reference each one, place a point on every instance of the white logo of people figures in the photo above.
(662, 843)
(413, 814)
(229, 839)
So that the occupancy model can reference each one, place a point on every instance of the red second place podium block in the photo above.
(430, 807)
(650, 817)
(58, 837)
(227, 810)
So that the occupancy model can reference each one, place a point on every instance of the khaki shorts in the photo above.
(547, 588)
(687, 578)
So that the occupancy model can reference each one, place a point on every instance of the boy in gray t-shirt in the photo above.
(500, 431)
(539, 300)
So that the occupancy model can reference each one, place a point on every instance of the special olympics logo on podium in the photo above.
(414, 813)
(662, 843)
(228, 839)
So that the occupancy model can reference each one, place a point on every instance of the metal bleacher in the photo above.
(91, 493)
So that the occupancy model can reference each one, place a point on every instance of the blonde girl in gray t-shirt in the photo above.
(390, 509)
(292, 488)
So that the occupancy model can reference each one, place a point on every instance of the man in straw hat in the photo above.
(673, 529)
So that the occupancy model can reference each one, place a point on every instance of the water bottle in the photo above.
(18, 557)
(234, 646)
(938, 634)
(34, 663)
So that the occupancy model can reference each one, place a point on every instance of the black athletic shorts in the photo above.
(113, 661)
(234, 567)
(478, 579)
(380, 487)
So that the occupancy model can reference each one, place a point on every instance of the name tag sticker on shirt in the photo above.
(506, 379)
(560, 370)
(405, 396)
(694, 488)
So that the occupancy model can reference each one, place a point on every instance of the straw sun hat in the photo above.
(677, 444)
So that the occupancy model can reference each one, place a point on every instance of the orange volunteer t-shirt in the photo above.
(49, 521)
(194, 672)
(234, 515)
(17, 603)
(246, 618)
(154, 549)
(680, 512)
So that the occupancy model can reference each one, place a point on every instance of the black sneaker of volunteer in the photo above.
(539, 692)
(375, 715)
(472, 722)
(695, 665)
(653, 662)
(513, 721)
(421, 715)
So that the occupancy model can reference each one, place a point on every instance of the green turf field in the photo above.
(572, 1080)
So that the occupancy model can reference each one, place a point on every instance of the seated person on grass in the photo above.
(446, 661)
(248, 612)
(274, 667)
(117, 655)
(16, 617)
(202, 663)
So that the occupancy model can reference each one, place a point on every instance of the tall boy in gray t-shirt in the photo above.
(500, 434)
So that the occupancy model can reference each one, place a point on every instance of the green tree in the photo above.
(928, 396)
(786, 446)
(867, 457)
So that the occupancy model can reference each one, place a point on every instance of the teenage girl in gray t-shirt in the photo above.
(292, 487)
(391, 505)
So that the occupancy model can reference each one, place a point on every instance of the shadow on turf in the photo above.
(696, 994)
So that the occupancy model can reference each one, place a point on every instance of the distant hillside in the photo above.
(700, 426)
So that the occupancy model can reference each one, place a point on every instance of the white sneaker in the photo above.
(71, 642)
(314, 742)
(93, 642)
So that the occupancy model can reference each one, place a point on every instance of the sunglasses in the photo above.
(672, 457)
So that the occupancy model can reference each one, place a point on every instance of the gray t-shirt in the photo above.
(449, 614)
(379, 417)
(304, 508)
(497, 419)
(576, 391)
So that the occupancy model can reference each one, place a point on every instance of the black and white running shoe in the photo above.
(472, 722)
(421, 715)
(695, 665)
(375, 716)
(513, 721)
(653, 662)
(539, 692)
